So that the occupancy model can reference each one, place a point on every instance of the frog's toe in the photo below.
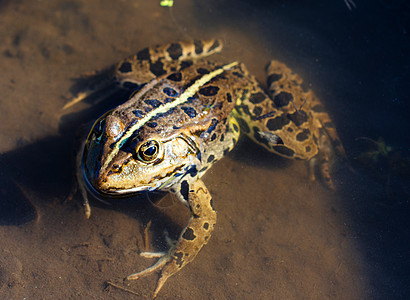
(155, 267)
(153, 254)
(160, 283)
(162, 264)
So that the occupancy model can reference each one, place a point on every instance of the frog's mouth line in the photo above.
(101, 195)
(115, 193)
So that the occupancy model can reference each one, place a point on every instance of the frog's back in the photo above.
(165, 105)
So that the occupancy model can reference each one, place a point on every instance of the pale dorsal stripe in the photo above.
(189, 92)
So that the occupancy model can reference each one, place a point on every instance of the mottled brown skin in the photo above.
(183, 117)
(294, 118)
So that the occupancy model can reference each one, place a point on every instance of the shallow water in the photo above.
(278, 235)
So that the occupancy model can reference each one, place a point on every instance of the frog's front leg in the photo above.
(193, 237)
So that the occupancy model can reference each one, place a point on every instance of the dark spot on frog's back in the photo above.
(143, 54)
(273, 78)
(238, 74)
(235, 127)
(257, 110)
(179, 260)
(175, 77)
(202, 71)
(192, 171)
(185, 64)
(210, 158)
(138, 113)
(209, 91)
(184, 189)
(212, 126)
(257, 98)
(125, 67)
(170, 92)
(157, 68)
(215, 45)
(302, 136)
(282, 99)
(153, 102)
(277, 123)
(216, 80)
(189, 234)
(191, 112)
(199, 47)
(298, 117)
(175, 51)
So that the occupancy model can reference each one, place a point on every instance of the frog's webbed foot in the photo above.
(164, 259)
(323, 162)
(303, 126)
(193, 237)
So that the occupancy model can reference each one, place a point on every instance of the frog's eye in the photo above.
(149, 151)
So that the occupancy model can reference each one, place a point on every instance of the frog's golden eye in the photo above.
(149, 151)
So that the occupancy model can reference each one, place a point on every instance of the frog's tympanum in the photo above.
(184, 115)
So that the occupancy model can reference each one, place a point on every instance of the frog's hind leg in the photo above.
(274, 121)
(293, 97)
(331, 148)
(193, 237)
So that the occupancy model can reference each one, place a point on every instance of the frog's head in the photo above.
(118, 160)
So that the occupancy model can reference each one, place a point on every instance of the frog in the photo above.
(184, 114)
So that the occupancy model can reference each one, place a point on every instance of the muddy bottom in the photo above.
(278, 235)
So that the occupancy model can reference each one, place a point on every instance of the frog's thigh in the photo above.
(279, 129)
